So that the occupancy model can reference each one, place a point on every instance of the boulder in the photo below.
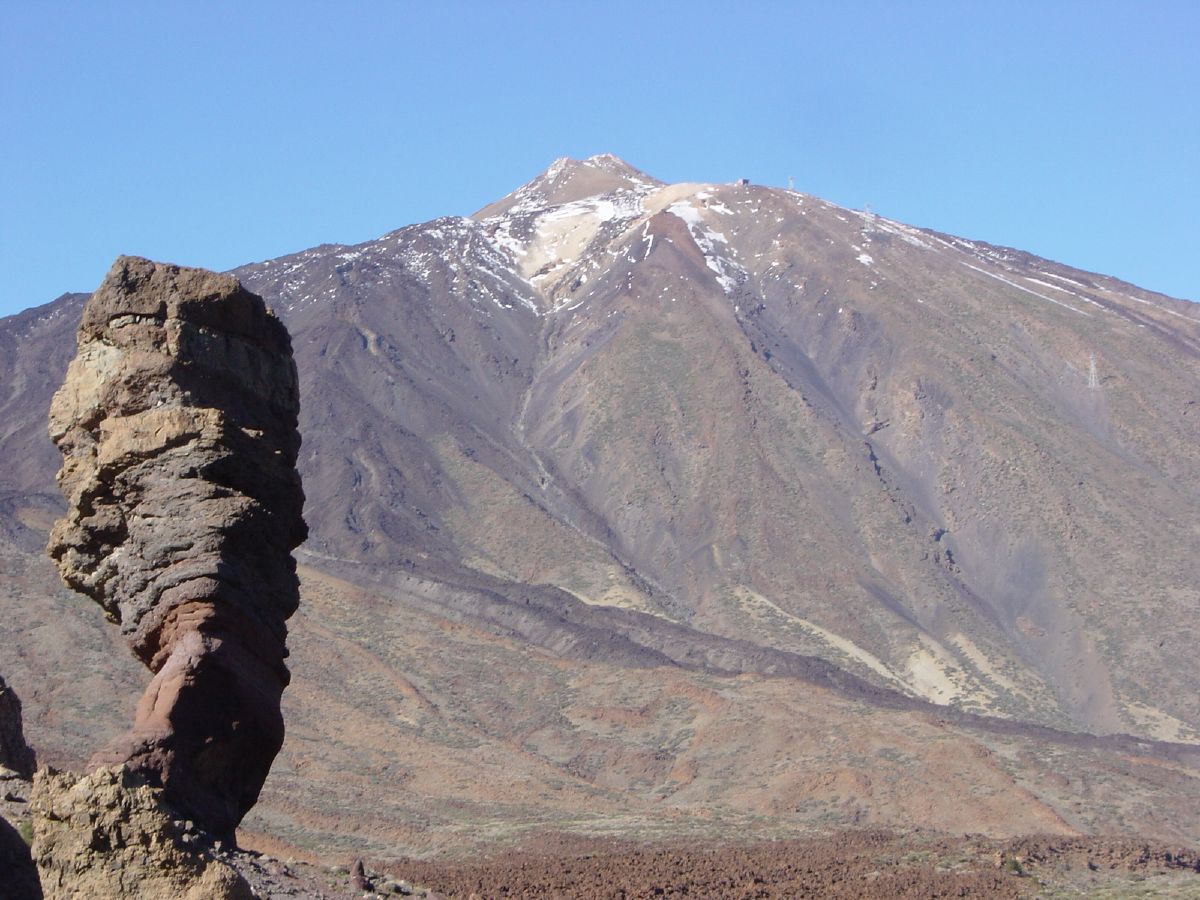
(109, 834)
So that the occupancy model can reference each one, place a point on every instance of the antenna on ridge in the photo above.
(791, 182)
(1093, 380)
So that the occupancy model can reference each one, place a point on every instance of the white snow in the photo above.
(1026, 290)
(556, 168)
(502, 237)
(559, 236)
(1046, 284)
(1055, 287)
(1063, 278)
(647, 239)
(728, 274)
(906, 233)
(1162, 309)
(687, 212)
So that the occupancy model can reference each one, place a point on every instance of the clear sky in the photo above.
(220, 133)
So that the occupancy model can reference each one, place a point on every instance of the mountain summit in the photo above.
(625, 496)
(567, 180)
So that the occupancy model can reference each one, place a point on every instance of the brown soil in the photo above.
(850, 864)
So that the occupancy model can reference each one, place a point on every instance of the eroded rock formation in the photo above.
(15, 754)
(107, 835)
(18, 877)
(177, 425)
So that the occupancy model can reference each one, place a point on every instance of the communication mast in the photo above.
(868, 219)
(791, 182)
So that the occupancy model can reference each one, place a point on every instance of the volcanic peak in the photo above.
(567, 180)
(556, 227)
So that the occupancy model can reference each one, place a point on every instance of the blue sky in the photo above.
(218, 133)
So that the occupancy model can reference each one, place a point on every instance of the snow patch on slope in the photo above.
(1021, 287)
(728, 273)
(543, 243)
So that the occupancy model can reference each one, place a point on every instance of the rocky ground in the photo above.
(852, 864)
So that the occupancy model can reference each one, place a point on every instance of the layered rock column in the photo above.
(177, 424)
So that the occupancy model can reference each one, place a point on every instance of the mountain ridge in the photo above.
(630, 427)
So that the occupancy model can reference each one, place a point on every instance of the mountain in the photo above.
(653, 508)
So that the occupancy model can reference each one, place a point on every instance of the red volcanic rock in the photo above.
(177, 425)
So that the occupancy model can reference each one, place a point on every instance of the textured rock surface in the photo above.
(177, 425)
(18, 875)
(18, 878)
(108, 834)
(15, 754)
